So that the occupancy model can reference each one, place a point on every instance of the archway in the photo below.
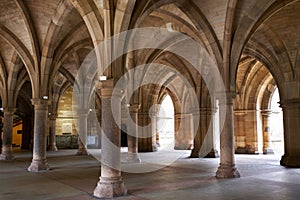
(257, 110)
(276, 125)
(165, 125)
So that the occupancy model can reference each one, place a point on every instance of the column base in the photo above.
(213, 154)
(52, 148)
(133, 158)
(246, 150)
(227, 171)
(110, 187)
(290, 161)
(195, 153)
(155, 148)
(6, 156)
(82, 152)
(183, 147)
(6, 153)
(268, 151)
(38, 165)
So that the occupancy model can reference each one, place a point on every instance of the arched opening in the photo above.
(66, 132)
(23, 118)
(165, 125)
(258, 118)
(276, 125)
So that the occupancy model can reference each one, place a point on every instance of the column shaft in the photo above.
(145, 139)
(227, 163)
(52, 135)
(132, 135)
(82, 135)
(204, 141)
(291, 118)
(240, 131)
(7, 135)
(266, 132)
(39, 161)
(197, 137)
(110, 184)
(211, 134)
(183, 131)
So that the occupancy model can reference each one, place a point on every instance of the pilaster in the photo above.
(291, 119)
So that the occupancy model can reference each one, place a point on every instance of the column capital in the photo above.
(195, 111)
(290, 103)
(154, 109)
(53, 116)
(106, 89)
(207, 110)
(9, 110)
(182, 115)
(40, 104)
(82, 111)
(244, 111)
(134, 108)
(240, 112)
(226, 98)
(266, 112)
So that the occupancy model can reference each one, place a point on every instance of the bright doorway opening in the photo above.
(165, 125)
(276, 125)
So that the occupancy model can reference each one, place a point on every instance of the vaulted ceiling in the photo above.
(45, 42)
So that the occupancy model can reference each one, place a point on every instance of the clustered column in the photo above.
(52, 135)
(132, 135)
(7, 134)
(39, 161)
(110, 184)
(227, 163)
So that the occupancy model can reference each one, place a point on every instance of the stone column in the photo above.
(1, 128)
(82, 132)
(227, 163)
(198, 137)
(204, 141)
(248, 133)
(211, 134)
(145, 142)
(291, 119)
(52, 135)
(266, 131)
(110, 184)
(7, 134)
(39, 161)
(240, 131)
(183, 131)
(132, 135)
(153, 113)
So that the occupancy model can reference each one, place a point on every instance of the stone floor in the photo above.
(74, 178)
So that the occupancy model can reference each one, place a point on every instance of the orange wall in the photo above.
(17, 138)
